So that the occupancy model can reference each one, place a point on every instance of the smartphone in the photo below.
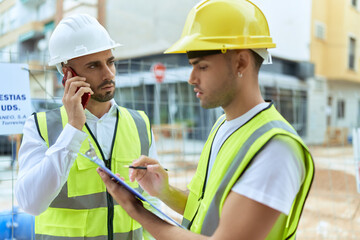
(84, 98)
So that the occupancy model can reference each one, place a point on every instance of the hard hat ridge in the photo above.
(78, 35)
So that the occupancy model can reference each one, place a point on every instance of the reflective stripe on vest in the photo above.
(54, 122)
(92, 202)
(136, 234)
(204, 204)
(142, 130)
(212, 217)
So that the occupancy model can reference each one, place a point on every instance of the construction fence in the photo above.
(180, 128)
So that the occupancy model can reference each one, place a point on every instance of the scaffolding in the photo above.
(181, 127)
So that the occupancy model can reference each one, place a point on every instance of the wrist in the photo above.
(76, 125)
(167, 193)
(134, 209)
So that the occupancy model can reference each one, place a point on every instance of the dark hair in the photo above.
(258, 60)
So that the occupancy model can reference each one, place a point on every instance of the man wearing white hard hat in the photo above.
(55, 182)
(254, 172)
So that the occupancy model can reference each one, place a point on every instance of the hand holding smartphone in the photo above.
(84, 98)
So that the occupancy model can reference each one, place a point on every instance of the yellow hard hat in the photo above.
(222, 25)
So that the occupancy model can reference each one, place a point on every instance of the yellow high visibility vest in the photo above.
(205, 202)
(83, 209)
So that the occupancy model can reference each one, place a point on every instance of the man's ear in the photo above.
(243, 60)
(64, 70)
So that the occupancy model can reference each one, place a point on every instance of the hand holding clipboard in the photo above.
(91, 155)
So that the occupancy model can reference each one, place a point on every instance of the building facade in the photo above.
(335, 38)
(313, 79)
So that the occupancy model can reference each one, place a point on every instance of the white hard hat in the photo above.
(78, 35)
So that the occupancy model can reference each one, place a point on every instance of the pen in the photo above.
(140, 167)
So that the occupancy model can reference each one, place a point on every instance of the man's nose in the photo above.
(109, 72)
(193, 79)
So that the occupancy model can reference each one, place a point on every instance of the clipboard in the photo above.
(101, 164)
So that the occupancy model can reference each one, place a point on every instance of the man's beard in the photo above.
(103, 97)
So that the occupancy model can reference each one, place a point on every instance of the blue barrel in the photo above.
(16, 225)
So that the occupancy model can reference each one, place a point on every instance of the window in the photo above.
(358, 115)
(354, 3)
(292, 104)
(341, 109)
(287, 105)
(320, 30)
(352, 47)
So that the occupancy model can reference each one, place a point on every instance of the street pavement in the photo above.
(332, 210)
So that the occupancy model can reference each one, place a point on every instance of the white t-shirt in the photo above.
(276, 173)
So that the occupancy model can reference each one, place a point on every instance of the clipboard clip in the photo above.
(91, 155)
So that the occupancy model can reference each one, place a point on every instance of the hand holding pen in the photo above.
(151, 176)
(140, 167)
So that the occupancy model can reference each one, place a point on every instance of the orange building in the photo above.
(335, 51)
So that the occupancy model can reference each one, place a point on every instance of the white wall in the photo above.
(350, 93)
(35, 11)
(150, 26)
(146, 27)
(290, 26)
(316, 118)
(81, 6)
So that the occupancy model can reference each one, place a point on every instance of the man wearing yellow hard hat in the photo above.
(255, 172)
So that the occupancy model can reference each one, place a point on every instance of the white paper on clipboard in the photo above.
(100, 163)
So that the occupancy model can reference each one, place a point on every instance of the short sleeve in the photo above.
(275, 174)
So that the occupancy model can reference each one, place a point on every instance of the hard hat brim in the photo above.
(56, 60)
(196, 43)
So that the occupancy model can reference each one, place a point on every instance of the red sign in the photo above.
(159, 72)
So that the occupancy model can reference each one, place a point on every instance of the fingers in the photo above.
(152, 165)
(73, 83)
(104, 176)
(122, 178)
(135, 174)
(144, 161)
(82, 90)
(110, 183)
(74, 86)
(71, 79)
(155, 168)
